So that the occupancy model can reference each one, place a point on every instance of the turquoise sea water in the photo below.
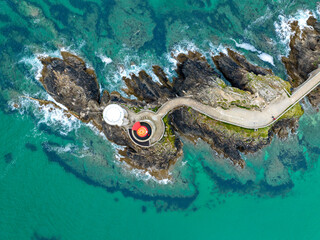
(42, 194)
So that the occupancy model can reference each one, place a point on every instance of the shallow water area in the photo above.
(61, 179)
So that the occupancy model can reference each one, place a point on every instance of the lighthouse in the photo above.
(114, 114)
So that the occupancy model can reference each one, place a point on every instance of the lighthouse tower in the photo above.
(113, 114)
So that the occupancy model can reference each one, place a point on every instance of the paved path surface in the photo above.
(250, 119)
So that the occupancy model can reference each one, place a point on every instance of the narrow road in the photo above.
(245, 118)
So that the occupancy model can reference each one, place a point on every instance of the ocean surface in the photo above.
(42, 194)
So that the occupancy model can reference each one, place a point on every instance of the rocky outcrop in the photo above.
(235, 68)
(145, 89)
(194, 73)
(70, 83)
(304, 56)
(284, 127)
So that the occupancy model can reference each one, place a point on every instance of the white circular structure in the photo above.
(113, 114)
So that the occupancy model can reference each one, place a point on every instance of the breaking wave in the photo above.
(283, 28)
(48, 114)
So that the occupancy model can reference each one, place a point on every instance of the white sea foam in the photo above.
(35, 64)
(132, 63)
(72, 149)
(170, 57)
(56, 117)
(96, 131)
(49, 98)
(106, 60)
(184, 47)
(50, 115)
(318, 9)
(143, 175)
(217, 49)
(283, 28)
(266, 57)
(246, 46)
(263, 56)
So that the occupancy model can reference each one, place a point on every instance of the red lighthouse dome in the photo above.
(141, 130)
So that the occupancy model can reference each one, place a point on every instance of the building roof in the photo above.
(113, 114)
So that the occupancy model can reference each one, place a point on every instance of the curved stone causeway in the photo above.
(250, 119)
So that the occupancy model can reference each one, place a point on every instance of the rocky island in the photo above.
(235, 86)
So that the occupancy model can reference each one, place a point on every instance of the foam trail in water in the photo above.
(262, 19)
(35, 64)
(106, 60)
(266, 58)
(56, 117)
(263, 56)
(246, 46)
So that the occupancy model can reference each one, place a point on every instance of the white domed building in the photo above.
(114, 114)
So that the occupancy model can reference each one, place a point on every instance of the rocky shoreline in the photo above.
(304, 56)
(72, 84)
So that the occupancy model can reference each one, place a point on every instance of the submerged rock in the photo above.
(276, 174)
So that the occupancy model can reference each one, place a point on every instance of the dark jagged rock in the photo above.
(304, 56)
(194, 74)
(284, 127)
(235, 69)
(158, 71)
(69, 82)
(145, 89)
(242, 61)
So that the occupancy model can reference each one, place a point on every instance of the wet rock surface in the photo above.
(194, 74)
(304, 56)
(235, 68)
(145, 89)
(69, 82)
(276, 174)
